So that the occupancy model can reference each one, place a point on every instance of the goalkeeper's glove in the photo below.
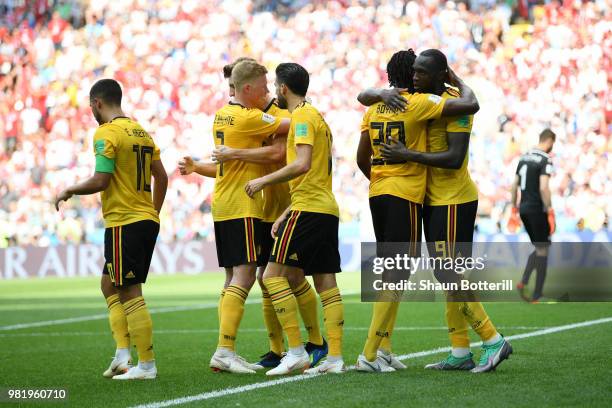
(514, 222)
(552, 222)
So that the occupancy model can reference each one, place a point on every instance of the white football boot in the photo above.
(335, 367)
(376, 366)
(138, 373)
(391, 360)
(291, 363)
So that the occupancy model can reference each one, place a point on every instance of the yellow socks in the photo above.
(479, 319)
(307, 302)
(275, 330)
(381, 315)
(232, 309)
(118, 322)
(333, 316)
(457, 325)
(385, 343)
(220, 304)
(285, 307)
(140, 327)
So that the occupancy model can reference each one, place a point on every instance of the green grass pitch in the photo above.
(564, 368)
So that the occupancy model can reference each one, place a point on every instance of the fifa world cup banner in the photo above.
(82, 260)
(487, 271)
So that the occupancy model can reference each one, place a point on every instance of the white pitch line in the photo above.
(242, 330)
(101, 316)
(285, 380)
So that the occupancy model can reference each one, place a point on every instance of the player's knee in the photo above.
(324, 281)
(295, 280)
(106, 286)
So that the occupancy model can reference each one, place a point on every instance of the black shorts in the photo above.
(128, 250)
(397, 220)
(238, 241)
(537, 227)
(309, 241)
(449, 229)
(266, 243)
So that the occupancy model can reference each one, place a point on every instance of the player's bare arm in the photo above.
(279, 221)
(300, 166)
(96, 183)
(272, 154)
(160, 184)
(187, 166)
(450, 159)
(391, 97)
(364, 154)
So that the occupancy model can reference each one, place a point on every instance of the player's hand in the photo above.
(394, 152)
(186, 165)
(452, 77)
(63, 196)
(254, 186)
(277, 224)
(514, 222)
(552, 221)
(222, 153)
(393, 99)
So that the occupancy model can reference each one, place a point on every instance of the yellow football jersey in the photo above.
(404, 180)
(312, 191)
(276, 197)
(240, 128)
(123, 148)
(448, 186)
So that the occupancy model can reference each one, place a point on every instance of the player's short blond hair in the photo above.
(245, 72)
(227, 69)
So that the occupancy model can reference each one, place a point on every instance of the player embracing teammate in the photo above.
(449, 211)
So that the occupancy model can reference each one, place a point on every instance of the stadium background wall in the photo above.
(191, 257)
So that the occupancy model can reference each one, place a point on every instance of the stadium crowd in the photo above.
(551, 70)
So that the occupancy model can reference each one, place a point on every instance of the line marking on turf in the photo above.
(265, 384)
(242, 330)
(101, 316)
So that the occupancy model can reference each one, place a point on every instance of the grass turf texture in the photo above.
(568, 368)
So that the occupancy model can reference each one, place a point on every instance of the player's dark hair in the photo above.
(294, 76)
(108, 90)
(547, 134)
(399, 69)
(438, 59)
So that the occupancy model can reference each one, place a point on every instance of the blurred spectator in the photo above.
(553, 71)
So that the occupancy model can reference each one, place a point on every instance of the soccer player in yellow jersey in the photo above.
(397, 189)
(307, 232)
(449, 215)
(276, 199)
(240, 124)
(126, 159)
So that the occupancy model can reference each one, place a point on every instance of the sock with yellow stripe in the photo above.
(219, 307)
(457, 330)
(118, 322)
(333, 317)
(479, 320)
(140, 327)
(385, 343)
(285, 307)
(275, 330)
(307, 302)
(232, 310)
